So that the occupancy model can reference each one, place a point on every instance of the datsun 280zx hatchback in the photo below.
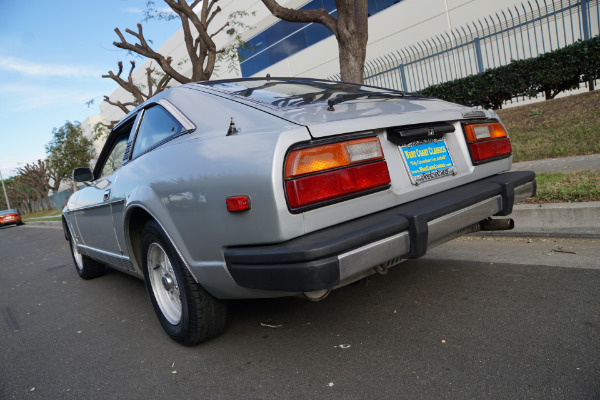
(277, 187)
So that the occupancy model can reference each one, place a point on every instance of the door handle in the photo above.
(106, 195)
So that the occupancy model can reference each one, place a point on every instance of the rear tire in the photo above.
(187, 312)
(86, 267)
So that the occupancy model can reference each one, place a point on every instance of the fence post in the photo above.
(403, 77)
(477, 45)
(585, 19)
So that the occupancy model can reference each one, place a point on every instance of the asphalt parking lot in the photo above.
(502, 318)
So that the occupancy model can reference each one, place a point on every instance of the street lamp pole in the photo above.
(4, 190)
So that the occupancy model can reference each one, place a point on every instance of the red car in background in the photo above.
(10, 217)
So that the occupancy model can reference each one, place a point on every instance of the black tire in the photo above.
(187, 312)
(86, 267)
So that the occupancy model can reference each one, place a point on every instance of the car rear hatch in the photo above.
(427, 145)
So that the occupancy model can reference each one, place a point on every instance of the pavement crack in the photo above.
(11, 319)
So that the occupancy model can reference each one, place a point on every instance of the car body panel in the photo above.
(94, 216)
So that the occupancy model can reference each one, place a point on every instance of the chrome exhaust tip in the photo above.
(498, 224)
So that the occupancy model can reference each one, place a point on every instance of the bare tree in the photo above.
(18, 194)
(153, 86)
(50, 177)
(201, 48)
(350, 30)
(32, 176)
(202, 52)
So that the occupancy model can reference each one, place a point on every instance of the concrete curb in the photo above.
(44, 223)
(555, 220)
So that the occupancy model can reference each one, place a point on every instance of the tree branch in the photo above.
(145, 50)
(127, 84)
(320, 15)
(122, 106)
(220, 29)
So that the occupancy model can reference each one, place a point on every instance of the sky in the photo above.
(52, 58)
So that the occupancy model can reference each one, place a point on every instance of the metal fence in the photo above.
(59, 199)
(525, 31)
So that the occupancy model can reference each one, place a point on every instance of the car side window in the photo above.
(156, 127)
(114, 161)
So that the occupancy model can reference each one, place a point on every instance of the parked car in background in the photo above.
(273, 187)
(10, 217)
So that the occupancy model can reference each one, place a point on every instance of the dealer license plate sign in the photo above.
(427, 161)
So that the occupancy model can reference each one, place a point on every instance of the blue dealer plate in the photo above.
(427, 161)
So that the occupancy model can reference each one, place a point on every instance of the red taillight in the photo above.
(487, 141)
(490, 149)
(330, 185)
(328, 172)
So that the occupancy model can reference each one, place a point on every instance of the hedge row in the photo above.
(550, 73)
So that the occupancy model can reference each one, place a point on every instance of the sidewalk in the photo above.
(565, 164)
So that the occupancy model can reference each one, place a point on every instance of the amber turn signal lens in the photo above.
(477, 132)
(331, 156)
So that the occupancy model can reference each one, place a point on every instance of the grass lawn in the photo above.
(569, 126)
(46, 215)
(572, 187)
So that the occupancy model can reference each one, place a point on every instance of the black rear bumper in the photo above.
(311, 262)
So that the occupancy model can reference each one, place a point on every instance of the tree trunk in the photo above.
(350, 30)
(352, 36)
(47, 201)
(352, 60)
(39, 203)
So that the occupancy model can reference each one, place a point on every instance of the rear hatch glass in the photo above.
(292, 93)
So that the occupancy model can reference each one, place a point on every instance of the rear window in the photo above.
(289, 93)
(5, 212)
(156, 127)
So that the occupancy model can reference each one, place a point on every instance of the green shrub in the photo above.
(549, 73)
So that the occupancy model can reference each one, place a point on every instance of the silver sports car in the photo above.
(274, 187)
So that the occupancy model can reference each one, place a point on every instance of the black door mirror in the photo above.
(83, 175)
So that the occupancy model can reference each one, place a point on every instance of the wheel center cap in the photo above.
(167, 282)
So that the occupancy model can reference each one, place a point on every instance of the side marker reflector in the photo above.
(238, 203)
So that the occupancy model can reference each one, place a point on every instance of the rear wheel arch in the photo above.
(66, 230)
(137, 218)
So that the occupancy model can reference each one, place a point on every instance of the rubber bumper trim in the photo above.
(298, 277)
(311, 262)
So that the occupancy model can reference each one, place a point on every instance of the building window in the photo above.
(284, 38)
